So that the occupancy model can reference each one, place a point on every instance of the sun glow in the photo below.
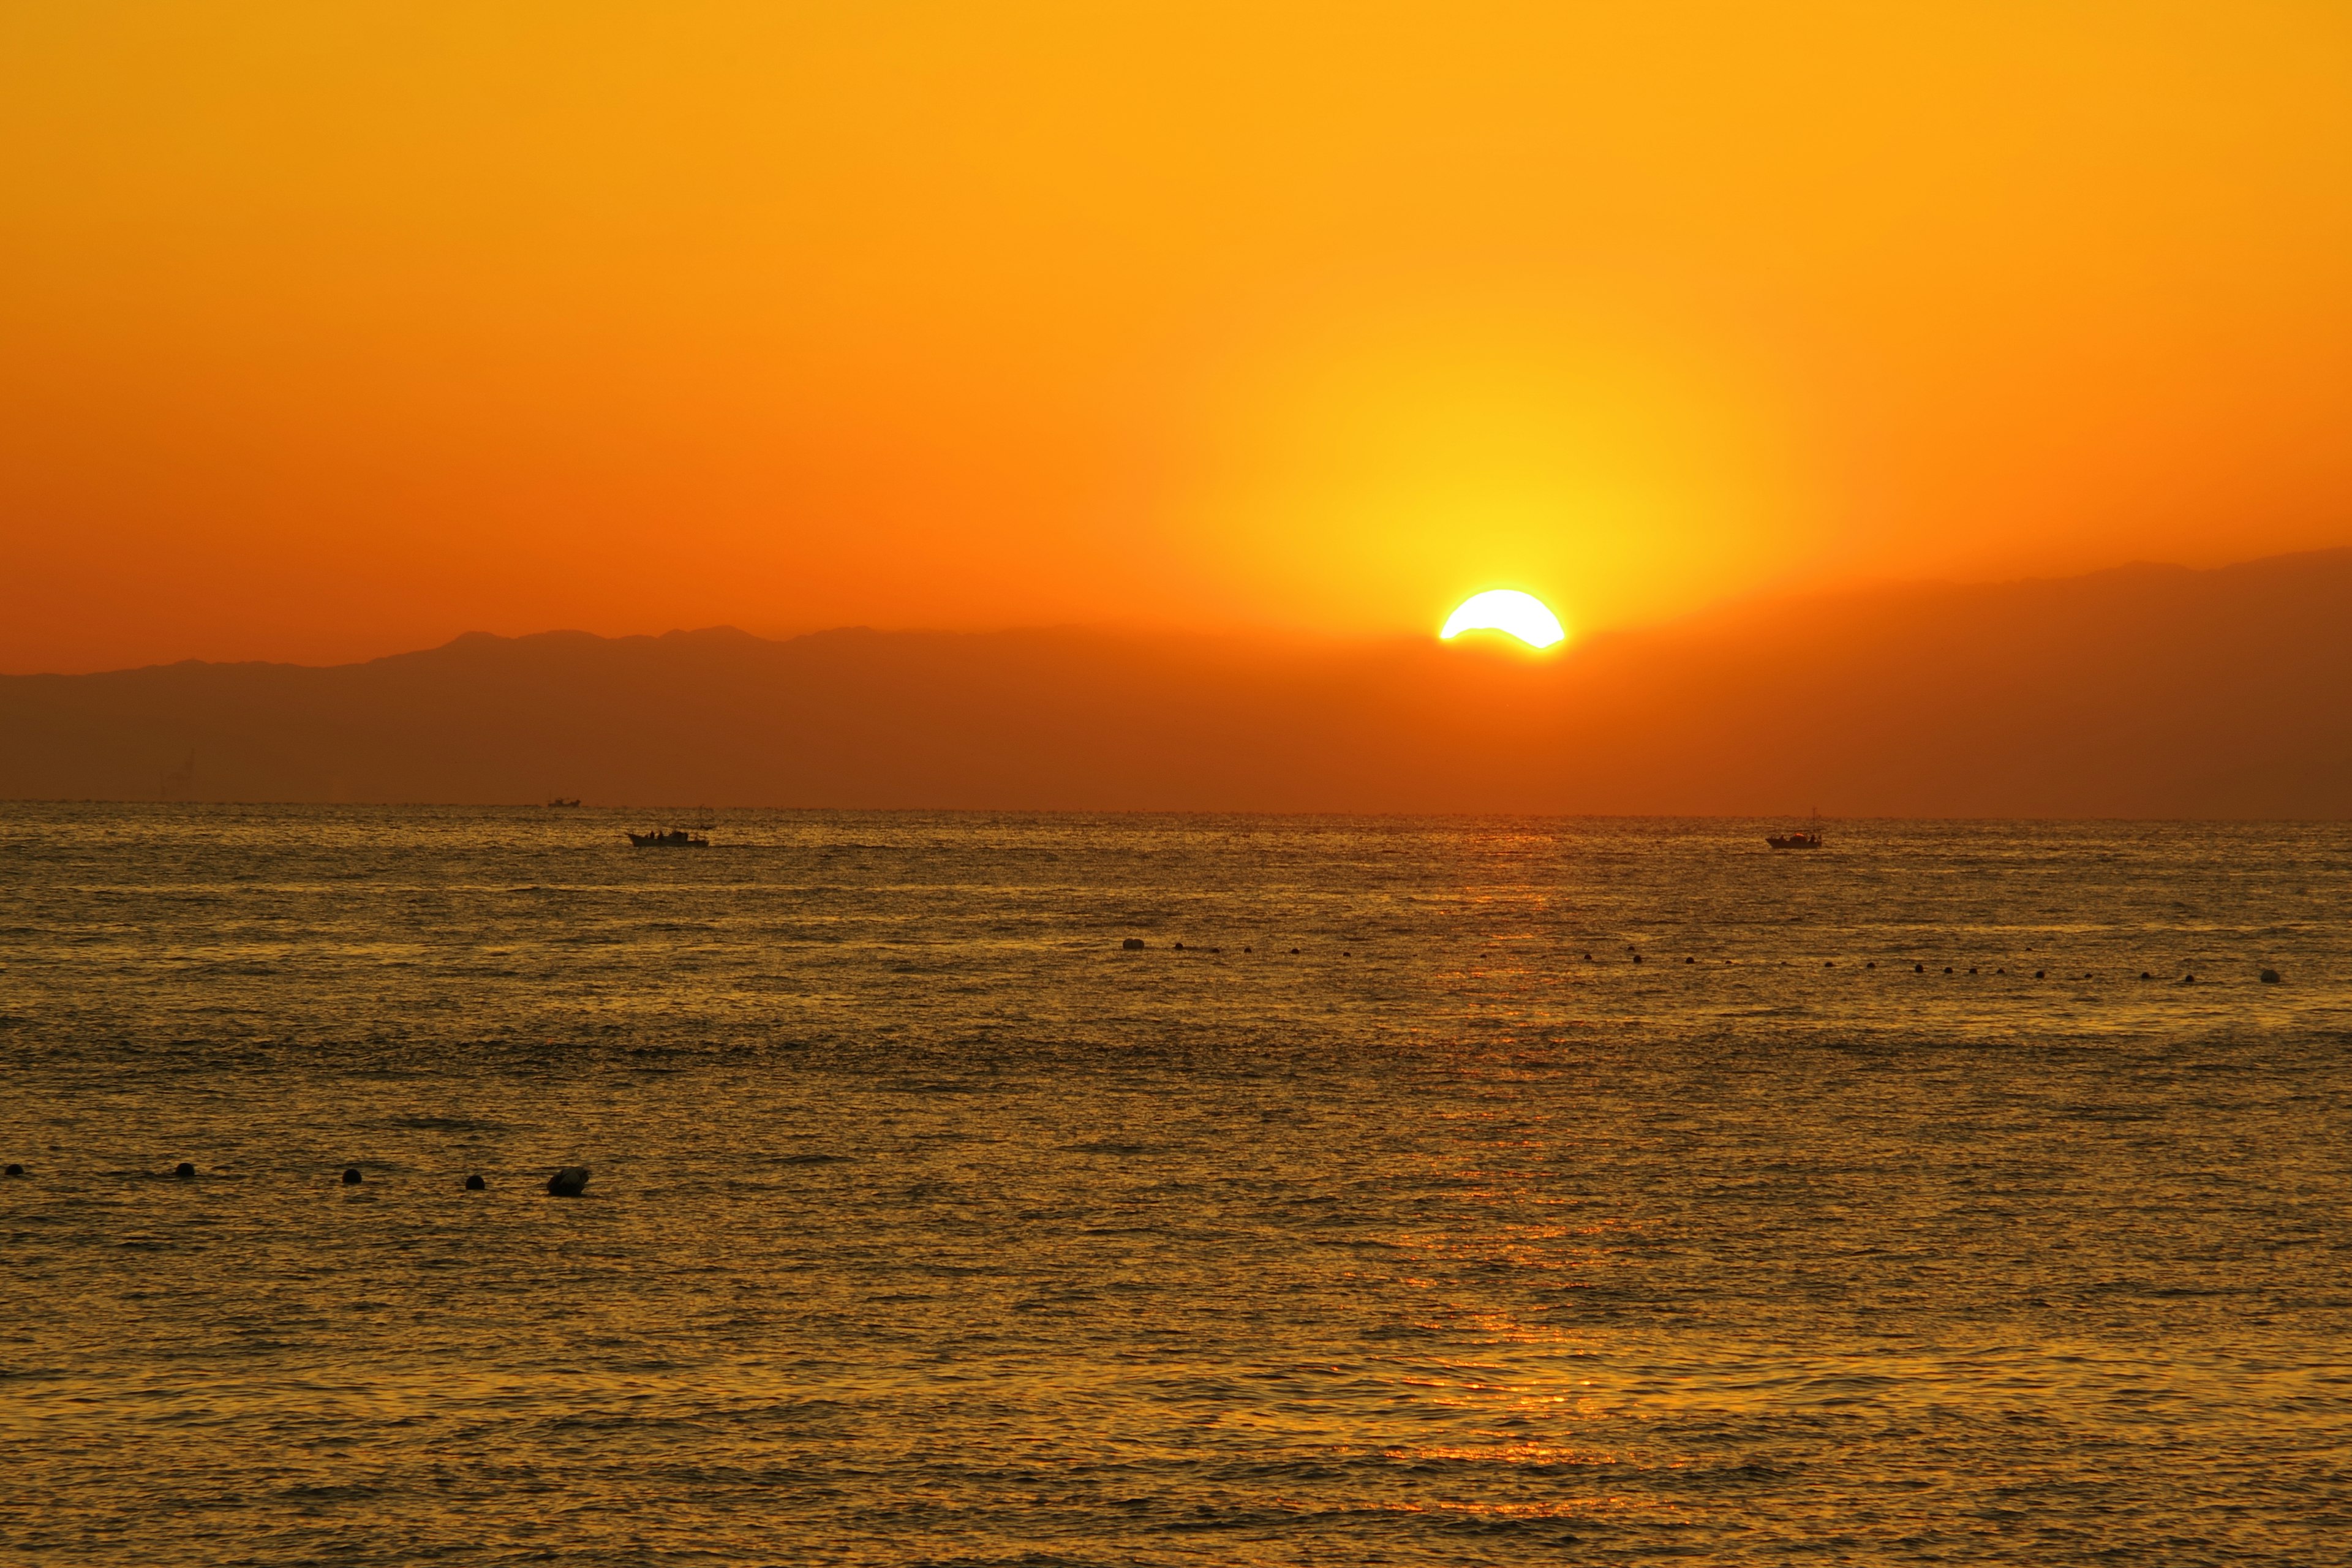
(1506, 610)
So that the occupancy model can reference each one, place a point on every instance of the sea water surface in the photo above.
(1881, 1212)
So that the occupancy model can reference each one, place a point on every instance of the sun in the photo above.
(1506, 610)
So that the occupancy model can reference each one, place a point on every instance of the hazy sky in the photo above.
(330, 330)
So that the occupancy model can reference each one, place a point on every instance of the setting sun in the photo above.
(1523, 615)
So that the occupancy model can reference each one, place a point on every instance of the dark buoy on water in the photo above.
(351, 1176)
(1918, 969)
(2270, 977)
(2144, 974)
(2039, 973)
(15, 1169)
(2188, 979)
(1637, 957)
(568, 1182)
(1133, 944)
(475, 1184)
(184, 1169)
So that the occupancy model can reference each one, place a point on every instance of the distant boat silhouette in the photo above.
(559, 800)
(1806, 838)
(669, 838)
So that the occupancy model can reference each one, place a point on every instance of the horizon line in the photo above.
(1729, 604)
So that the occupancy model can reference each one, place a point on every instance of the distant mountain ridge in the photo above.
(2145, 691)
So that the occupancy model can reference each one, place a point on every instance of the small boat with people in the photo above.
(670, 839)
(1806, 838)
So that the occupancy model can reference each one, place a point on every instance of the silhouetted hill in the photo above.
(2145, 692)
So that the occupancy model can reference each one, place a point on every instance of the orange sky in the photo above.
(331, 331)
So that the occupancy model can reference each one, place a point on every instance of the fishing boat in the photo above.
(670, 839)
(1806, 838)
(561, 801)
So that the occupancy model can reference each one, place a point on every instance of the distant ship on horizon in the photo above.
(1806, 838)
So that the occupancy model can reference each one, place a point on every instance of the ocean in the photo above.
(1906, 1202)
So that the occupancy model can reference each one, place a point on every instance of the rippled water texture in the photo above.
(929, 1226)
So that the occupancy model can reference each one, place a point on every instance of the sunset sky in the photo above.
(333, 329)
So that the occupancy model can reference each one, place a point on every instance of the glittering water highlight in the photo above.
(930, 1226)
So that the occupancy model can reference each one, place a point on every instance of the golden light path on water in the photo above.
(1509, 1191)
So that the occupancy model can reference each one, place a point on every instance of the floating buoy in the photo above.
(1872, 964)
(2039, 974)
(1947, 968)
(1178, 946)
(2144, 974)
(1588, 958)
(1918, 969)
(351, 1176)
(1294, 950)
(2270, 977)
(184, 1169)
(1248, 948)
(1133, 944)
(15, 1169)
(568, 1182)
(1690, 960)
(2188, 979)
(1637, 957)
(475, 1184)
